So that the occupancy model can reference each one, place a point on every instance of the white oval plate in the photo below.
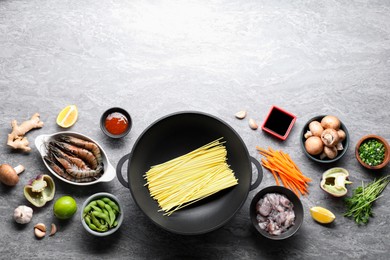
(109, 170)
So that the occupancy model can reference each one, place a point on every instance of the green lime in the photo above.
(65, 207)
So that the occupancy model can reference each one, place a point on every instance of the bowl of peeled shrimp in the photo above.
(75, 158)
(276, 212)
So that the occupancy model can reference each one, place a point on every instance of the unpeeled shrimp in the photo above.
(73, 170)
(91, 146)
(75, 160)
(82, 153)
(62, 173)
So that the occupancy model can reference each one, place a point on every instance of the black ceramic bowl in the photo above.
(298, 211)
(111, 111)
(317, 158)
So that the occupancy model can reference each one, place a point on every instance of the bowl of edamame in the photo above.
(101, 214)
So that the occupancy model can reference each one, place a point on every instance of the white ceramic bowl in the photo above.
(97, 196)
(108, 172)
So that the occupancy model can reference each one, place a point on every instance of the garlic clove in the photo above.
(39, 233)
(241, 114)
(253, 124)
(40, 230)
(41, 227)
(53, 229)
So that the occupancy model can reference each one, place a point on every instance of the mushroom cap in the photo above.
(330, 122)
(314, 145)
(8, 175)
(341, 135)
(330, 152)
(316, 128)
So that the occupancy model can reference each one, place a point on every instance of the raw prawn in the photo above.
(91, 146)
(75, 171)
(82, 153)
(75, 160)
(62, 173)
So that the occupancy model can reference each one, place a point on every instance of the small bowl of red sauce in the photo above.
(115, 122)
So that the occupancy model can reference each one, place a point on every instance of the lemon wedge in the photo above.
(68, 116)
(322, 215)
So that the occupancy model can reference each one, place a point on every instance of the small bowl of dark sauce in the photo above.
(115, 122)
(279, 122)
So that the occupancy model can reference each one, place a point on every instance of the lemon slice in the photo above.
(68, 116)
(322, 215)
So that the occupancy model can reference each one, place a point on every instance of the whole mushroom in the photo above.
(314, 145)
(316, 128)
(330, 152)
(330, 122)
(330, 137)
(9, 175)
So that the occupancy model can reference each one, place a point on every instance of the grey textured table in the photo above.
(157, 57)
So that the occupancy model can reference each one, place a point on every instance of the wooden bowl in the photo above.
(387, 150)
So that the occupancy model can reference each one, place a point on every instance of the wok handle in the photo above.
(259, 173)
(119, 170)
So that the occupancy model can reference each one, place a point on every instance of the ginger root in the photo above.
(16, 138)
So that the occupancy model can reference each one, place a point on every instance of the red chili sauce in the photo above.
(116, 123)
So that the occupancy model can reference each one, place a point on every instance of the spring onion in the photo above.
(372, 152)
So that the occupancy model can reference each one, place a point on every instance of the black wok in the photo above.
(175, 135)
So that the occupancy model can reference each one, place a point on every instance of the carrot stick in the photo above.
(281, 165)
(276, 178)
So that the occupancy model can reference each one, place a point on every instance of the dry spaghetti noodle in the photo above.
(191, 177)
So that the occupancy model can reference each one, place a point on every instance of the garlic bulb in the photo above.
(23, 214)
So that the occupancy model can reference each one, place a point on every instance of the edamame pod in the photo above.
(89, 207)
(100, 215)
(87, 219)
(95, 228)
(112, 204)
(95, 220)
(111, 214)
(97, 209)
(100, 203)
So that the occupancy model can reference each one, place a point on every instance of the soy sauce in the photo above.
(116, 123)
(278, 122)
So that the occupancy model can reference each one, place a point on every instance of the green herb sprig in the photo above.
(359, 206)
